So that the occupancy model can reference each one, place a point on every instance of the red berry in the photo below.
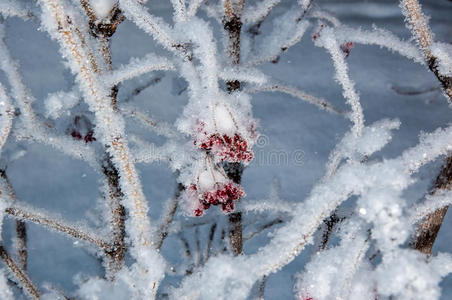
(198, 212)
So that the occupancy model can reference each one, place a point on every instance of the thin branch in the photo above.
(20, 275)
(319, 102)
(137, 67)
(136, 91)
(212, 230)
(263, 228)
(413, 91)
(193, 7)
(164, 227)
(72, 231)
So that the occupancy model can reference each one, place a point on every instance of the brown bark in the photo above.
(233, 25)
(428, 229)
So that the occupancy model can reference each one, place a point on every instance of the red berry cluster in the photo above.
(232, 149)
(346, 48)
(224, 195)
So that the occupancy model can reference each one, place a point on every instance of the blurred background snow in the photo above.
(47, 179)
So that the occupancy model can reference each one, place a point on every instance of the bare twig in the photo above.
(163, 231)
(262, 228)
(136, 91)
(213, 228)
(19, 273)
(413, 92)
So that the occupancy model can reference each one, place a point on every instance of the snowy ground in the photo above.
(49, 180)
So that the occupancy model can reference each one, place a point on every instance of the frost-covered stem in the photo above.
(163, 230)
(117, 218)
(297, 94)
(112, 133)
(418, 23)
(348, 86)
(20, 274)
(22, 214)
(102, 30)
(428, 229)
(21, 229)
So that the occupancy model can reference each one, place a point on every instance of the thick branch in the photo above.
(428, 229)
(418, 23)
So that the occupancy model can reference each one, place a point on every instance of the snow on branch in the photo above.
(319, 102)
(256, 13)
(287, 31)
(327, 39)
(7, 115)
(180, 13)
(154, 26)
(33, 128)
(14, 8)
(379, 37)
(75, 231)
(58, 103)
(289, 240)
(431, 203)
(193, 7)
(243, 74)
(137, 67)
(331, 274)
(417, 22)
(110, 128)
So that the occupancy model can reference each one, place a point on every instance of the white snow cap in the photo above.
(102, 7)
